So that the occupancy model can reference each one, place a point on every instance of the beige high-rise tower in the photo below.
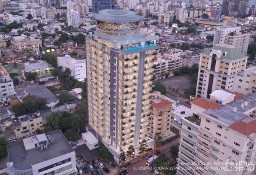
(120, 66)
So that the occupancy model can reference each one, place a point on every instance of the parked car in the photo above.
(124, 172)
(149, 156)
(85, 169)
(106, 170)
(91, 168)
(101, 165)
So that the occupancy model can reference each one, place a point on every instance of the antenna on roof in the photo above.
(235, 109)
(242, 105)
(245, 103)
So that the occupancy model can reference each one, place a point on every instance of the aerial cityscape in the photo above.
(127, 87)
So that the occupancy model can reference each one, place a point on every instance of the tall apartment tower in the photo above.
(223, 142)
(232, 36)
(98, 5)
(120, 67)
(235, 7)
(218, 67)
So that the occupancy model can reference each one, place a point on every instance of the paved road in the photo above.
(140, 168)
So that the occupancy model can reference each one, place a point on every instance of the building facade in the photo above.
(6, 88)
(222, 32)
(120, 66)
(21, 43)
(239, 40)
(217, 69)
(77, 67)
(245, 81)
(73, 18)
(224, 138)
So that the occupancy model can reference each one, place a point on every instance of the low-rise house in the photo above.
(40, 67)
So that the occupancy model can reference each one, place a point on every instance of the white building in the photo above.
(245, 81)
(40, 67)
(6, 88)
(224, 137)
(77, 67)
(21, 43)
(222, 32)
(48, 153)
(73, 18)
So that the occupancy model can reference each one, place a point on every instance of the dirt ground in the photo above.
(176, 84)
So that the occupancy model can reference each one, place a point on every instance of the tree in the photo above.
(3, 148)
(30, 104)
(122, 157)
(65, 97)
(131, 151)
(158, 140)
(16, 81)
(79, 39)
(53, 121)
(57, 16)
(30, 76)
(51, 59)
(29, 17)
(174, 150)
(71, 135)
(191, 29)
(64, 37)
(205, 16)
(162, 162)
(159, 87)
(105, 154)
(185, 46)
(143, 146)
(13, 74)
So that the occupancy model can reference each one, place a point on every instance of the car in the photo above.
(91, 168)
(95, 165)
(106, 170)
(157, 152)
(85, 169)
(148, 156)
(94, 173)
(124, 172)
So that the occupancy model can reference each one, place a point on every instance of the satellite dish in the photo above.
(245, 103)
(242, 105)
(235, 109)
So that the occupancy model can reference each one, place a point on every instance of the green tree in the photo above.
(51, 59)
(131, 151)
(29, 17)
(162, 162)
(3, 148)
(57, 16)
(185, 46)
(159, 87)
(71, 135)
(104, 153)
(64, 37)
(79, 39)
(158, 140)
(30, 76)
(65, 97)
(143, 146)
(13, 74)
(191, 29)
(122, 157)
(174, 150)
(210, 37)
(30, 104)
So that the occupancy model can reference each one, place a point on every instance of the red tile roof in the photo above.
(245, 128)
(161, 104)
(206, 104)
(238, 95)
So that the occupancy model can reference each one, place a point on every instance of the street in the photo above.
(139, 166)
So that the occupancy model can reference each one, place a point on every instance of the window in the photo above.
(235, 152)
(208, 120)
(237, 144)
(219, 126)
(189, 128)
(218, 134)
(207, 128)
(215, 141)
(189, 136)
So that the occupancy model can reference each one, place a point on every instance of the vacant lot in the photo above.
(177, 84)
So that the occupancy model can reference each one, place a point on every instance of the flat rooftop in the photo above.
(117, 16)
(232, 112)
(40, 65)
(23, 159)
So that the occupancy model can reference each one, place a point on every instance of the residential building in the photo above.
(29, 124)
(239, 40)
(223, 139)
(41, 68)
(178, 114)
(167, 63)
(217, 69)
(2, 43)
(161, 116)
(120, 66)
(222, 32)
(21, 43)
(48, 153)
(6, 88)
(77, 67)
(189, 58)
(235, 7)
(73, 18)
(98, 5)
(245, 81)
